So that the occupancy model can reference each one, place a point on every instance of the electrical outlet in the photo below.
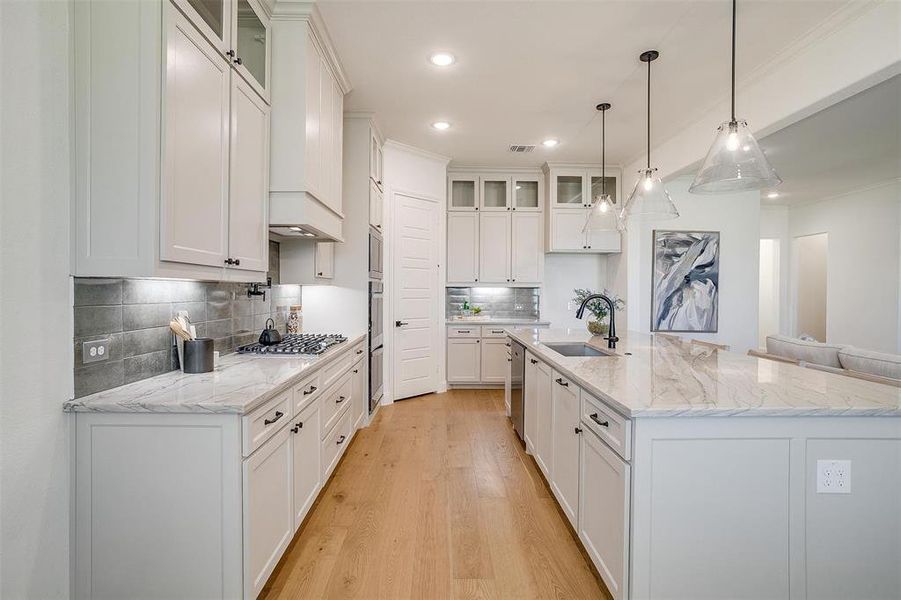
(833, 476)
(95, 351)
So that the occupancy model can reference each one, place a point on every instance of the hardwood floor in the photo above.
(436, 499)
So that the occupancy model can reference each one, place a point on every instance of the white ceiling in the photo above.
(527, 71)
(848, 146)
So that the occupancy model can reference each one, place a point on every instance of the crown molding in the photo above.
(417, 151)
(463, 168)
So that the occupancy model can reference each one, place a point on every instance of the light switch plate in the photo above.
(833, 476)
(94, 351)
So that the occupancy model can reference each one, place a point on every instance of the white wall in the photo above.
(35, 300)
(810, 252)
(562, 274)
(774, 226)
(420, 174)
(864, 291)
(737, 218)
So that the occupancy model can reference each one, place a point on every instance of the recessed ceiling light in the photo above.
(442, 59)
(773, 195)
(549, 143)
(441, 125)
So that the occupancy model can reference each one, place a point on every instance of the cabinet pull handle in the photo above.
(238, 61)
(462, 331)
(297, 427)
(561, 382)
(400, 323)
(356, 371)
(594, 417)
(229, 261)
(312, 389)
(341, 440)
(359, 352)
(533, 361)
(230, 53)
(319, 274)
(509, 360)
(278, 415)
(340, 399)
(237, 261)
(578, 430)
(497, 331)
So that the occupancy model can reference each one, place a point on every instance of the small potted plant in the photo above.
(598, 308)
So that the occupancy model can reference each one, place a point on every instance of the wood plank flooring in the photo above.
(436, 499)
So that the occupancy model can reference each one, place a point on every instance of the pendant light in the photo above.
(649, 199)
(734, 162)
(602, 216)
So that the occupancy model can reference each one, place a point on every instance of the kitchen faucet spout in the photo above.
(611, 338)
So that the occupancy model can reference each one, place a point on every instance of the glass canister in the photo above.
(295, 319)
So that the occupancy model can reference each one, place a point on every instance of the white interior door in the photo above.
(415, 298)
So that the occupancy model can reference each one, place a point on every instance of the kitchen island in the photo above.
(693, 472)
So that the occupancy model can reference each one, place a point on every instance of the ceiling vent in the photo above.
(521, 148)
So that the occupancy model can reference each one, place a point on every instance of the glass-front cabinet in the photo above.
(252, 45)
(600, 185)
(569, 188)
(213, 18)
(495, 192)
(527, 192)
(463, 191)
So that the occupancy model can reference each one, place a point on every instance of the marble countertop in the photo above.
(239, 384)
(494, 321)
(650, 376)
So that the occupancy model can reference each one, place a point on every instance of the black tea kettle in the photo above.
(270, 335)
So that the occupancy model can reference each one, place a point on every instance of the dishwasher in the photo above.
(517, 389)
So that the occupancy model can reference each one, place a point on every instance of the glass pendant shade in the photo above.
(603, 215)
(734, 163)
(649, 201)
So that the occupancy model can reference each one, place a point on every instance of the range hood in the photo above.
(300, 215)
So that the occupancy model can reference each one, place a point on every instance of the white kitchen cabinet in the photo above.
(495, 193)
(312, 156)
(248, 205)
(462, 247)
(358, 398)
(527, 192)
(566, 230)
(375, 158)
(527, 247)
(569, 188)
(463, 360)
(304, 429)
(494, 365)
(324, 260)
(494, 247)
(194, 195)
(572, 189)
(268, 510)
(376, 205)
(463, 192)
(604, 487)
(530, 403)
(252, 44)
(213, 19)
(566, 429)
(544, 416)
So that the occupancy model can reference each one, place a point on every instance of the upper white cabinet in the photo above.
(571, 190)
(462, 247)
(171, 137)
(526, 192)
(494, 248)
(526, 258)
(463, 192)
(495, 193)
(376, 205)
(307, 125)
(375, 158)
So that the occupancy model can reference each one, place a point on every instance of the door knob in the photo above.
(400, 323)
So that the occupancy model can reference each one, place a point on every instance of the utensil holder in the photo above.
(198, 355)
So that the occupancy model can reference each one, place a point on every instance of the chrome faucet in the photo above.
(611, 338)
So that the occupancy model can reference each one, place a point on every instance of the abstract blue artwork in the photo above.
(685, 289)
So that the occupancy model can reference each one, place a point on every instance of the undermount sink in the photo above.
(573, 349)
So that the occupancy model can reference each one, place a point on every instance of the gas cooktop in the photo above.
(311, 344)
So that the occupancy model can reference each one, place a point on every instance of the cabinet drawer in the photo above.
(333, 370)
(615, 430)
(357, 351)
(335, 400)
(333, 445)
(495, 331)
(306, 391)
(473, 332)
(261, 424)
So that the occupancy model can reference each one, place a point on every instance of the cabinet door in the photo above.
(313, 148)
(494, 247)
(494, 365)
(194, 204)
(604, 480)
(213, 18)
(495, 193)
(566, 230)
(248, 202)
(462, 247)
(252, 42)
(305, 451)
(544, 434)
(375, 157)
(526, 192)
(530, 403)
(463, 360)
(268, 510)
(527, 255)
(337, 146)
(326, 134)
(375, 205)
(358, 393)
(569, 188)
(567, 414)
(463, 192)
(604, 241)
(325, 260)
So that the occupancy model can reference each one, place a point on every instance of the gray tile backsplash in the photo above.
(507, 303)
(134, 315)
